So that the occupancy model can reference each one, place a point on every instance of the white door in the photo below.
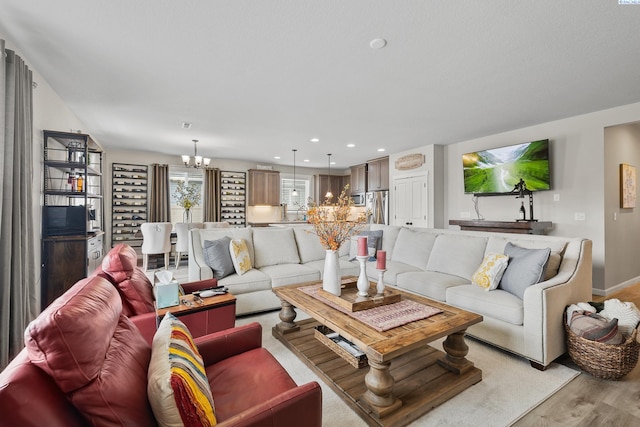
(411, 201)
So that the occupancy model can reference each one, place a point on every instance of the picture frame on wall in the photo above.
(628, 186)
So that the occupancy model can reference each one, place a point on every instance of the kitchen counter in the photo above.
(275, 224)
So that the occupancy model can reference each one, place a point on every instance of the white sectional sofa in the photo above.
(436, 263)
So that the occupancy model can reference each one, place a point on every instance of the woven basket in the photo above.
(606, 361)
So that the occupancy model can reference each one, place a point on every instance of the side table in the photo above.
(213, 314)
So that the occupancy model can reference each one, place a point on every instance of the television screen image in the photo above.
(498, 170)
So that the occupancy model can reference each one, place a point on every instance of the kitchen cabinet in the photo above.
(325, 182)
(359, 179)
(264, 187)
(378, 174)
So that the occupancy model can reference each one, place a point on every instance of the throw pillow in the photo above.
(218, 257)
(490, 272)
(594, 327)
(178, 388)
(372, 242)
(240, 256)
(526, 267)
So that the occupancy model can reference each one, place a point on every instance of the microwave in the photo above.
(358, 199)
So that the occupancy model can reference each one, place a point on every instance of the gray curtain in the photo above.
(211, 195)
(19, 300)
(160, 205)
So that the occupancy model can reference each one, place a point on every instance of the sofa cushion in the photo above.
(240, 256)
(372, 242)
(431, 284)
(556, 245)
(456, 254)
(245, 233)
(389, 236)
(178, 387)
(217, 255)
(289, 274)
(497, 304)
(413, 247)
(120, 267)
(488, 275)
(393, 270)
(309, 246)
(526, 267)
(251, 281)
(230, 377)
(96, 355)
(274, 245)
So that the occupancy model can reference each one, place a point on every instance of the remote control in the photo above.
(210, 293)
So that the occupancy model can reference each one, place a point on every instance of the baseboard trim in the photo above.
(617, 288)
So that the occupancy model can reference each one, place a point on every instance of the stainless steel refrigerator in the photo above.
(377, 204)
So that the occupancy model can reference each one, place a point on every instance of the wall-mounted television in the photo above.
(498, 170)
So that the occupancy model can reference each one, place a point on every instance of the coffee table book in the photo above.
(350, 300)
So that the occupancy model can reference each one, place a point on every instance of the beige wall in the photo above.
(622, 245)
(578, 171)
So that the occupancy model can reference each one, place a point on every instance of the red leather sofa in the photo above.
(85, 363)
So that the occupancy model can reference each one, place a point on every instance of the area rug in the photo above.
(509, 389)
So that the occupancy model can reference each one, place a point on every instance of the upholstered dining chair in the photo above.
(156, 239)
(182, 238)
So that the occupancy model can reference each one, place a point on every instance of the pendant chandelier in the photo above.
(329, 194)
(294, 193)
(198, 161)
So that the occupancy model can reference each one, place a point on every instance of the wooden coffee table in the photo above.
(406, 377)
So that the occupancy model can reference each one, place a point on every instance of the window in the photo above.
(294, 203)
(195, 176)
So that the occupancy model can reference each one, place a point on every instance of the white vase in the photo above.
(331, 279)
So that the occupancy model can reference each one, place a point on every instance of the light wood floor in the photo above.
(589, 401)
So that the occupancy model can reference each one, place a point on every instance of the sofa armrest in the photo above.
(190, 287)
(147, 324)
(299, 406)
(223, 344)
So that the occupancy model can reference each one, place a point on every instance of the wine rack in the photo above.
(233, 198)
(129, 203)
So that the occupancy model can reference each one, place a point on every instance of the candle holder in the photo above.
(380, 284)
(363, 281)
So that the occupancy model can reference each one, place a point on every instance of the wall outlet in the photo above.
(580, 216)
(465, 214)
(556, 197)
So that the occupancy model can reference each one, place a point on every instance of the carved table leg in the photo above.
(456, 349)
(287, 316)
(379, 395)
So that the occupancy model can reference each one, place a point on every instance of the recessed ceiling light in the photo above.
(276, 157)
(315, 140)
(381, 149)
(378, 43)
(351, 145)
(306, 160)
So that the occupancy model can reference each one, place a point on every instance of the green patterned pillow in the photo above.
(490, 272)
(178, 388)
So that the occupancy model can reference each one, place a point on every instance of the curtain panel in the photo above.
(160, 204)
(19, 296)
(211, 195)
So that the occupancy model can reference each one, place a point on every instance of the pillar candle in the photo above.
(382, 260)
(362, 246)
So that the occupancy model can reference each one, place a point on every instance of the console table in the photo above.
(518, 227)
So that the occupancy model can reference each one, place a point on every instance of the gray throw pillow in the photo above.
(526, 267)
(218, 257)
(372, 242)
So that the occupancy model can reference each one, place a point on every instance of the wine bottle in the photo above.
(523, 213)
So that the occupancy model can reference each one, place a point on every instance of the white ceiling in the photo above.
(257, 78)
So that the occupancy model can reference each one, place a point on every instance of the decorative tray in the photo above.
(350, 300)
